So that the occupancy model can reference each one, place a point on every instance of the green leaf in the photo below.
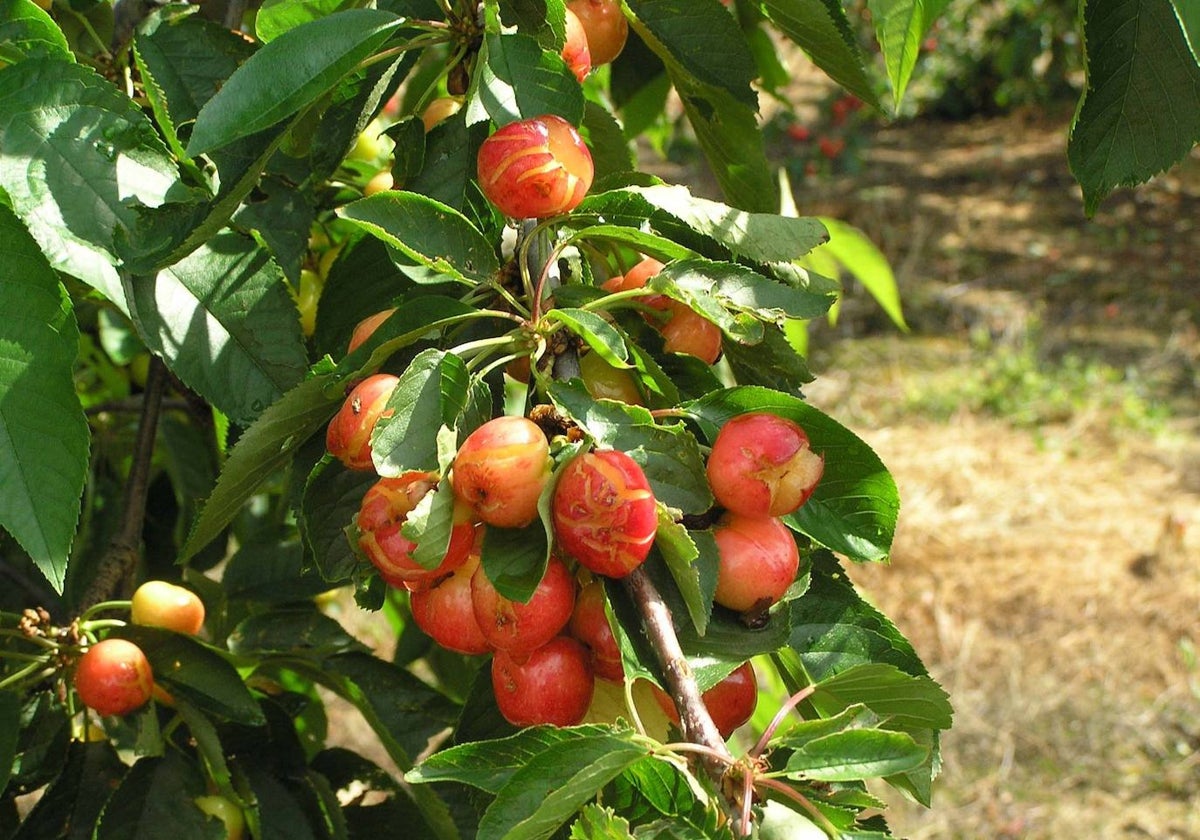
(762, 237)
(42, 465)
(223, 321)
(431, 523)
(1138, 115)
(903, 700)
(555, 784)
(79, 157)
(69, 808)
(599, 334)
(279, 16)
(271, 572)
(691, 557)
(197, 672)
(436, 236)
(704, 40)
(612, 154)
(596, 823)
(31, 31)
(158, 792)
(854, 508)
(900, 27)
(820, 28)
(772, 363)
(516, 79)
(1189, 18)
(289, 74)
(856, 754)
(850, 249)
(432, 392)
(332, 497)
(667, 453)
(515, 559)
(488, 765)
(265, 447)
(740, 289)
(450, 162)
(295, 631)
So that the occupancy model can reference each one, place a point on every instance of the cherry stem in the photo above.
(791, 793)
(792, 702)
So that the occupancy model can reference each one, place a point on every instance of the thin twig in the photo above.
(119, 562)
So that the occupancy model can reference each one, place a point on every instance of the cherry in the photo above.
(605, 515)
(519, 628)
(446, 613)
(225, 810)
(690, 333)
(348, 437)
(440, 109)
(605, 382)
(384, 509)
(157, 603)
(113, 677)
(500, 470)
(730, 702)
(757, 562)
(365, 328)
(535, 168)
(575, 48)
(589, 624)
(605, 25)
(762, 465)
(552, 684)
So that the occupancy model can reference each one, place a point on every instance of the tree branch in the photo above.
(119, 562)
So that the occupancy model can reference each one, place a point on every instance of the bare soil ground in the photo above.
(1041, 420)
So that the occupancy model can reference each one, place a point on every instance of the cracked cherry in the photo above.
(446, 612)
(501, 469)
(762, 465)
(535, 168)
(589, 624)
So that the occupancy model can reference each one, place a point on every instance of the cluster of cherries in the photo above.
(547, 651)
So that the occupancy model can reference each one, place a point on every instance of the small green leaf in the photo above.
(555, 784)
(691, 557)
(266, 446)
(856, 754)
(294, 631)
(430, 525)
(516, 79)
(900, 28)
(289, 74)
(157, 792)
(741, 289)
(431, 393)
(772, 363)
(279, 16)
(332, 496)
(599, 334)
(850, 249)
(42, 465)
(436, 236)
(596, 823)
(904, 700)
(1138, 115)
(515, 559)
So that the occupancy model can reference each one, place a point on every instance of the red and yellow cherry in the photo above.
(348, 437)
(762, 465)
(552, 684)
(157, 603)
(535, 168)
(440, 109)
(730, 702)
(500, 470)
(636, 278)
(687, 332)
(589, 624)
(365, 328)
(380, 182)
(446, 612)
(605, 515)
(605, 382)
(605, 25)
(575, 48)
(519, 628)
(225, 810)
(113, 677)
(757, 562)
(381, 516)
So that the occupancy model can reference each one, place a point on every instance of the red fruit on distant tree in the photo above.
(535, 168)
(799, 133)
(763, 465)
(157, 603)
(589, 624)
(446, 612)
(500, 471)
(520, 627)
(730, 702)
(381, 516)
(605, 515)
(757, 562)
(575, 50)
(552, 684)
(113, 677)
(348, 437)
(605, 25)
(831, 147)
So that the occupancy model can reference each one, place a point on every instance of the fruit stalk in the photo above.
(120, 560)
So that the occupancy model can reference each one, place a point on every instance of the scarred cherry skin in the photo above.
(757, 562)
(381, 516)
(519, 628)
(113, 677)
(446, 613)
(535, 168)
(500, 470)
(552, 684)
(348, 437)
(605, 25)
(605, 515)
(575, 47)
(589, 624)
(730, 702)
(762, 465)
